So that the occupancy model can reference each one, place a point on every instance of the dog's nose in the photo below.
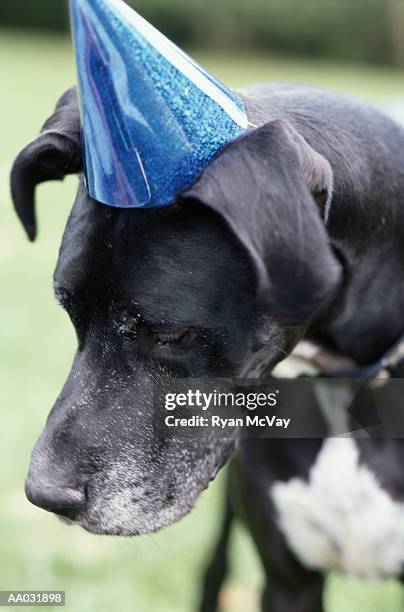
(65, 501)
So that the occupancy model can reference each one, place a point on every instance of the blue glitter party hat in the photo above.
(152, 118)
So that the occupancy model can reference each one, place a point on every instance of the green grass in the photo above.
(158, 573)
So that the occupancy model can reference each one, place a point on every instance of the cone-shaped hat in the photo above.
(152, 118)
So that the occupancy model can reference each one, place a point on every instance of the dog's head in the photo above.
(220, 284)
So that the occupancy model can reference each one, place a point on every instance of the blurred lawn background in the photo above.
(158, 573)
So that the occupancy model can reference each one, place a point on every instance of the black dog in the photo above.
(294, 229)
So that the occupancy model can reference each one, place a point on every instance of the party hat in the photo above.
(152, 118)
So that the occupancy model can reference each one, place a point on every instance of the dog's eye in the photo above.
(172, 337)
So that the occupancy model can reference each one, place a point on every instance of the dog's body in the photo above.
(340, 504)
(305, 216)
(313, 506)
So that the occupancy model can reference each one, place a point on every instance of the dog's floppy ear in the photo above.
(264, 185)
(55, 153)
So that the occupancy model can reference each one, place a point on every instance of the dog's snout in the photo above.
(62, 500)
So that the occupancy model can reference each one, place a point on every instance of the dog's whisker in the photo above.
(281, 350)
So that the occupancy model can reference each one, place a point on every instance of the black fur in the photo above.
(294, 229)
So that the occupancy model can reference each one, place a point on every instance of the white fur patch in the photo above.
(341, 518)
